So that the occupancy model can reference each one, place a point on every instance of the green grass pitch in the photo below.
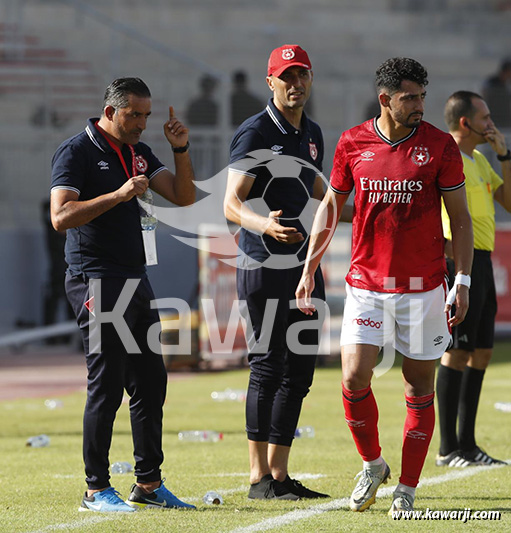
(41, 489)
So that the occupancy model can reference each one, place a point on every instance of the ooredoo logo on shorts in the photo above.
(367, 322)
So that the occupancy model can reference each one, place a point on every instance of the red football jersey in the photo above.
(397, 243)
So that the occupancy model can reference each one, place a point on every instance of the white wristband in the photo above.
(460, 279)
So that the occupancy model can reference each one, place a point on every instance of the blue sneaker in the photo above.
(161, 498)
(106, 501)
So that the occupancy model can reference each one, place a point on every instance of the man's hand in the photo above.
(175, 131)
(461, 302)
(280, 233)
(135, 186)
(303, 294)
(496, 140)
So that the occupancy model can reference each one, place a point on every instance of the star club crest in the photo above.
(288, 53)
(420, 156)
(141, 164)
(313, 151)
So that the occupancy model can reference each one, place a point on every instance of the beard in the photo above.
(413, 120)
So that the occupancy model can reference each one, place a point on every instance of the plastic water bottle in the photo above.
(200, 436)
(148, 220)
(304, 432)
(39, 441)
(212, 498)
(233, 395)
(121, 467)
(503, 406)
(53, 404)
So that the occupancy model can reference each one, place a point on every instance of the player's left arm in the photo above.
(463, 246)
(178, 188)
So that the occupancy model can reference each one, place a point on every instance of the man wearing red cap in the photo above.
(280, 373)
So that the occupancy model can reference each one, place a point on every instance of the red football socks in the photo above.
(418, 430)
(361, 414)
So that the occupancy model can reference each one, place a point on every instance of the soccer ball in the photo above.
(283, 169)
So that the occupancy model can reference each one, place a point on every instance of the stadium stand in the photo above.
(55, 58)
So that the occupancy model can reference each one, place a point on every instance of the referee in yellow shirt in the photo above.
(462, 368)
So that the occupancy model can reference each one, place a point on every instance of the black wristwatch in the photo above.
(181, 149)
(506, 157)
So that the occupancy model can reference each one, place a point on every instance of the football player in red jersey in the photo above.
(400, 168)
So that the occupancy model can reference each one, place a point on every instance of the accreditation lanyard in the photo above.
(148, 236)
(118, 151)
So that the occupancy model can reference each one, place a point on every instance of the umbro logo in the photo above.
(356, 423)
(103, 165)
(367, 156)
(418, 435)
(438, 340)
(276, 149)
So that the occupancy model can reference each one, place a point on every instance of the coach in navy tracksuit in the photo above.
(272, 240)
(96, 178)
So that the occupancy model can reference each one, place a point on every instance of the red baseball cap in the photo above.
(288, 55)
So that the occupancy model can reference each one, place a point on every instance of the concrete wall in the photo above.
(171, 44)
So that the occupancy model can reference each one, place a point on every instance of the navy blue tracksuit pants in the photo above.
(279, 378)
(111, 370)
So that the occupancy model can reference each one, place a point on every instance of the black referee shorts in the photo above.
(478, 328)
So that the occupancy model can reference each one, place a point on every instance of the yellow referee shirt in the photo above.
(481, 181)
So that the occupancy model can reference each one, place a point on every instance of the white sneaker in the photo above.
(401, 502)
(364, 494)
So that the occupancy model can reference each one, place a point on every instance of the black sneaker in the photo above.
(295, 487)
(477, 457)
(270, 489)
(453, 459)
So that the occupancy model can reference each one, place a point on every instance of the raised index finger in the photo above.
(171, 112)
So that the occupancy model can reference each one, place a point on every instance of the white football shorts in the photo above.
(415, 323)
